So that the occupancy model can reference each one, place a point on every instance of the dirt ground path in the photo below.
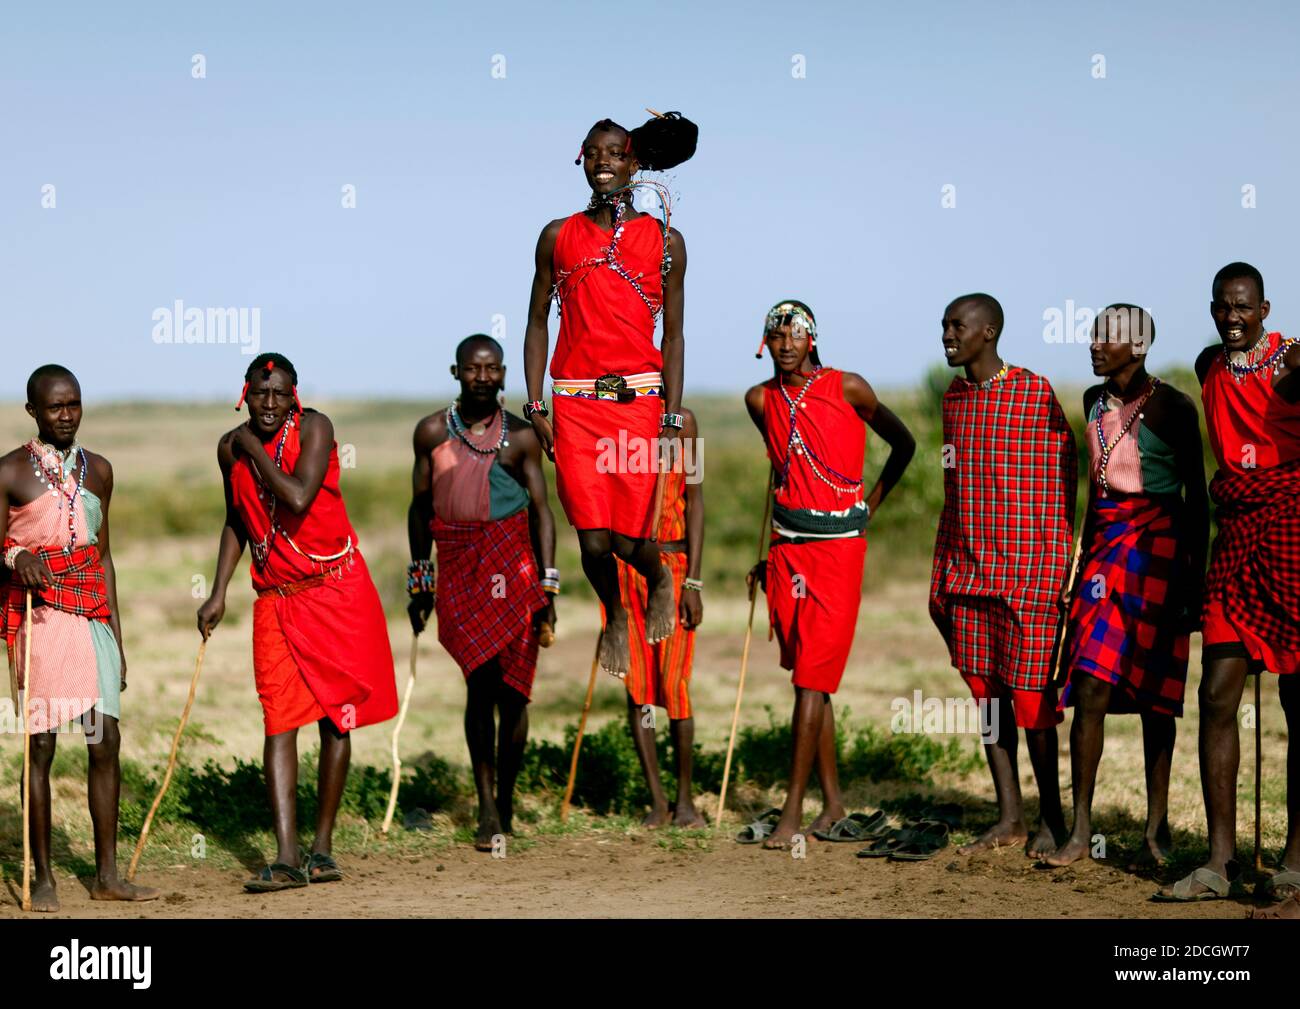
(637, 876)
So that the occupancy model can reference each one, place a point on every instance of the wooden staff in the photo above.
(171, 764)
(27, 758)
(1061, 673)
(744, 656)
(1259, 758)
(397, 732)
(582, 725)
(659, 492)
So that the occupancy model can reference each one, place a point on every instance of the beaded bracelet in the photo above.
(535, 406)
(420, 578)
(673, 420)
(551, 581)
(693, 583)
(11, 555)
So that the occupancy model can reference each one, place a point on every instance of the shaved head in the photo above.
(988, 306)
(46, 373)
(470, 344)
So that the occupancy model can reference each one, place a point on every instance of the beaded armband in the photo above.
(11, 555)
(420, 578)
(551, 581)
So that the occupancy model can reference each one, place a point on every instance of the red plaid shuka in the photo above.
(1010, 471)
(1125, 615)
(488, 590)
(79, 587)
(1255, 564)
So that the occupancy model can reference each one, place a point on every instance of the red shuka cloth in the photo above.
(488, 594)
(335, 632)
(1251, 427)
(1010, 467)
(814, 588)
(606, 328)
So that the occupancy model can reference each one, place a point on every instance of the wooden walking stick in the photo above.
(1259, 758)
(171, 764)
(27, 758)
(582, 725)
(1061, 673)
(744, 657)
(397, 732)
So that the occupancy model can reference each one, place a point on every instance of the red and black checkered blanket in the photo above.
(1255, 564)
(79, 587)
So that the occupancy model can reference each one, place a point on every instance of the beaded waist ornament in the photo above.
(623, 388)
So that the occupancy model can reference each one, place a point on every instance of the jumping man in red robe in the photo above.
(614, 271)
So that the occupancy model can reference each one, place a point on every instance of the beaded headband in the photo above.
(787, 312)
(269, 366)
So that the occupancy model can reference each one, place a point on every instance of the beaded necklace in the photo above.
(48, 464)
(457, 425)
(988, 383)
(620, 199)
(1272, 361)
(1134, 416)
(795, 445)
(262, 549)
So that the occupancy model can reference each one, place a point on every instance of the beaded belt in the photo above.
(623, 388)
(293, 588)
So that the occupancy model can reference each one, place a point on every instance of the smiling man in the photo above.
(614, 272)
(320, 643)
(479, 493)
(1250, 387)
(1002, 557)
(54, 500)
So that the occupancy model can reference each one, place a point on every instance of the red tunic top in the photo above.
(834, 432)
(1248, 421)
(605, 325)
(322, 530)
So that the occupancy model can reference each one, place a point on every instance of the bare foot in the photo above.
(1000, 835)
(782, 835)
(1152, 855)
(44, 896)
(488, 827)
(117, 889)
(661, 610)
(688, 816)
(1072, 851)
(657, 817)
(825, 820)
(613, 645)
(1044, 842)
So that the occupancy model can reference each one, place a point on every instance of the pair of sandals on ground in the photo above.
(317, 868)
(917, 839)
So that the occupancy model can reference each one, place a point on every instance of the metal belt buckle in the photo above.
(613, 386)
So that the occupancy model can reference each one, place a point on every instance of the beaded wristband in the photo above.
(420, 578)
(550, 581)
(535, 406)
(693, 583)
(11, 555)
(674, 420)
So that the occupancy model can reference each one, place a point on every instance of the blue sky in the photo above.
(226, 190)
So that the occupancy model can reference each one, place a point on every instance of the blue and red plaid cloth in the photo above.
(1126, 625)
(79, 587)
(488, 592)
(1006, 530)
(1255, 564)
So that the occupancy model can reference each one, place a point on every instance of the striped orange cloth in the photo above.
(658, 674)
